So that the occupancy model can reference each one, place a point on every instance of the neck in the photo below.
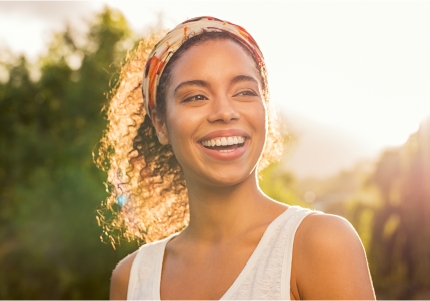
(219, 213)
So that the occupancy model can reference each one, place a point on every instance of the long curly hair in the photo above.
(147, 191)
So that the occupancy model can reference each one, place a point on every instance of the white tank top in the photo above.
(266, 274)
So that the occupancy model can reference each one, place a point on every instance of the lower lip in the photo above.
(231, 155)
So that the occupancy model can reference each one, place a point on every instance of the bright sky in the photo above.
(360, 66)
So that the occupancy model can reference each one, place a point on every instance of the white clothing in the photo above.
(266, 274)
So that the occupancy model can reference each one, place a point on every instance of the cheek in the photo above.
(262, 123)
(179, 128)
(260, 116)
(265, 115)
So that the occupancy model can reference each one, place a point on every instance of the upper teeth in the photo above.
(224, 141)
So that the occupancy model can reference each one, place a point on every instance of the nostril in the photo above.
(223, 109)
(224, 116)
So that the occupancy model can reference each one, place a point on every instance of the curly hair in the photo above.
(147, 191)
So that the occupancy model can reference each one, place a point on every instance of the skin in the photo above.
(216, 86)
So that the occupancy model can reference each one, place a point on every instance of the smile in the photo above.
(224, 144)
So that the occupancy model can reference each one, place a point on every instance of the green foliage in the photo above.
(49, 187)
(399, 251)
(280, 185)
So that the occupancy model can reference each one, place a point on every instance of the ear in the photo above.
(160, 128)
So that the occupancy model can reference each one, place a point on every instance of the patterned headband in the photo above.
(167, 46)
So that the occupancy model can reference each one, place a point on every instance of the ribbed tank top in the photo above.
(266, 274)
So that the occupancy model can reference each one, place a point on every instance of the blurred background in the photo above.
(350, 79)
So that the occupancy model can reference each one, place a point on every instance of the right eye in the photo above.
(198, 97)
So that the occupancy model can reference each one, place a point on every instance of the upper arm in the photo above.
(120, 278)
(329, 261)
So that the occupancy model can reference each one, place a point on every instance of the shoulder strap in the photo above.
(292, 226)
(145, 273)
(134, 272)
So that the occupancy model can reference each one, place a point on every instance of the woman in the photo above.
(199, 148)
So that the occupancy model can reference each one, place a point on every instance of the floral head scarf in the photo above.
(167, 46)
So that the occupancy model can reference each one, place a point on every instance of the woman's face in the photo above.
(215, 115)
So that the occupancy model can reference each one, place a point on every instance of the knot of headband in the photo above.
(167, 46)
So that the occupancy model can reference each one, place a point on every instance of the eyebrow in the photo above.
(204, 84)
(196, 82)
(244, 78)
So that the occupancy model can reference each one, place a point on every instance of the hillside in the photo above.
(320, 150)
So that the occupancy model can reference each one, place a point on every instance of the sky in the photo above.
(361, 68)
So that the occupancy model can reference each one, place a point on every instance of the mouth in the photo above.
(224, 144)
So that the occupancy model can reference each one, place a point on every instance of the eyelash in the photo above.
(246, 93)
(194, 98)
(200, 97)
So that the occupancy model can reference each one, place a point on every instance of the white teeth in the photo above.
(224, 141)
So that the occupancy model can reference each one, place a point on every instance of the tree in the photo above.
(49, 187)
(399, 251)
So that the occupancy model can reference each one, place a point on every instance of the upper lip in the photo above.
(224, 133)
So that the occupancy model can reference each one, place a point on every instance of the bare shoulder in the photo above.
(328, 231)
(329, 261)
(120, 278)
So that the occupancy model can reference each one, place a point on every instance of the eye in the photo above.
(198, 97)
(246, 93)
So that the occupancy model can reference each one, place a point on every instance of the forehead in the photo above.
(215, 58)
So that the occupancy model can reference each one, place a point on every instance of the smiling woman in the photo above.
(186, 157)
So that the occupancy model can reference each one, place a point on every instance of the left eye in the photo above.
(195, 98)
(246, 93)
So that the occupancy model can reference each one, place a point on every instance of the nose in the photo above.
(223, 109)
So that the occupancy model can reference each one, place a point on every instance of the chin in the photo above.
(228, 178)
